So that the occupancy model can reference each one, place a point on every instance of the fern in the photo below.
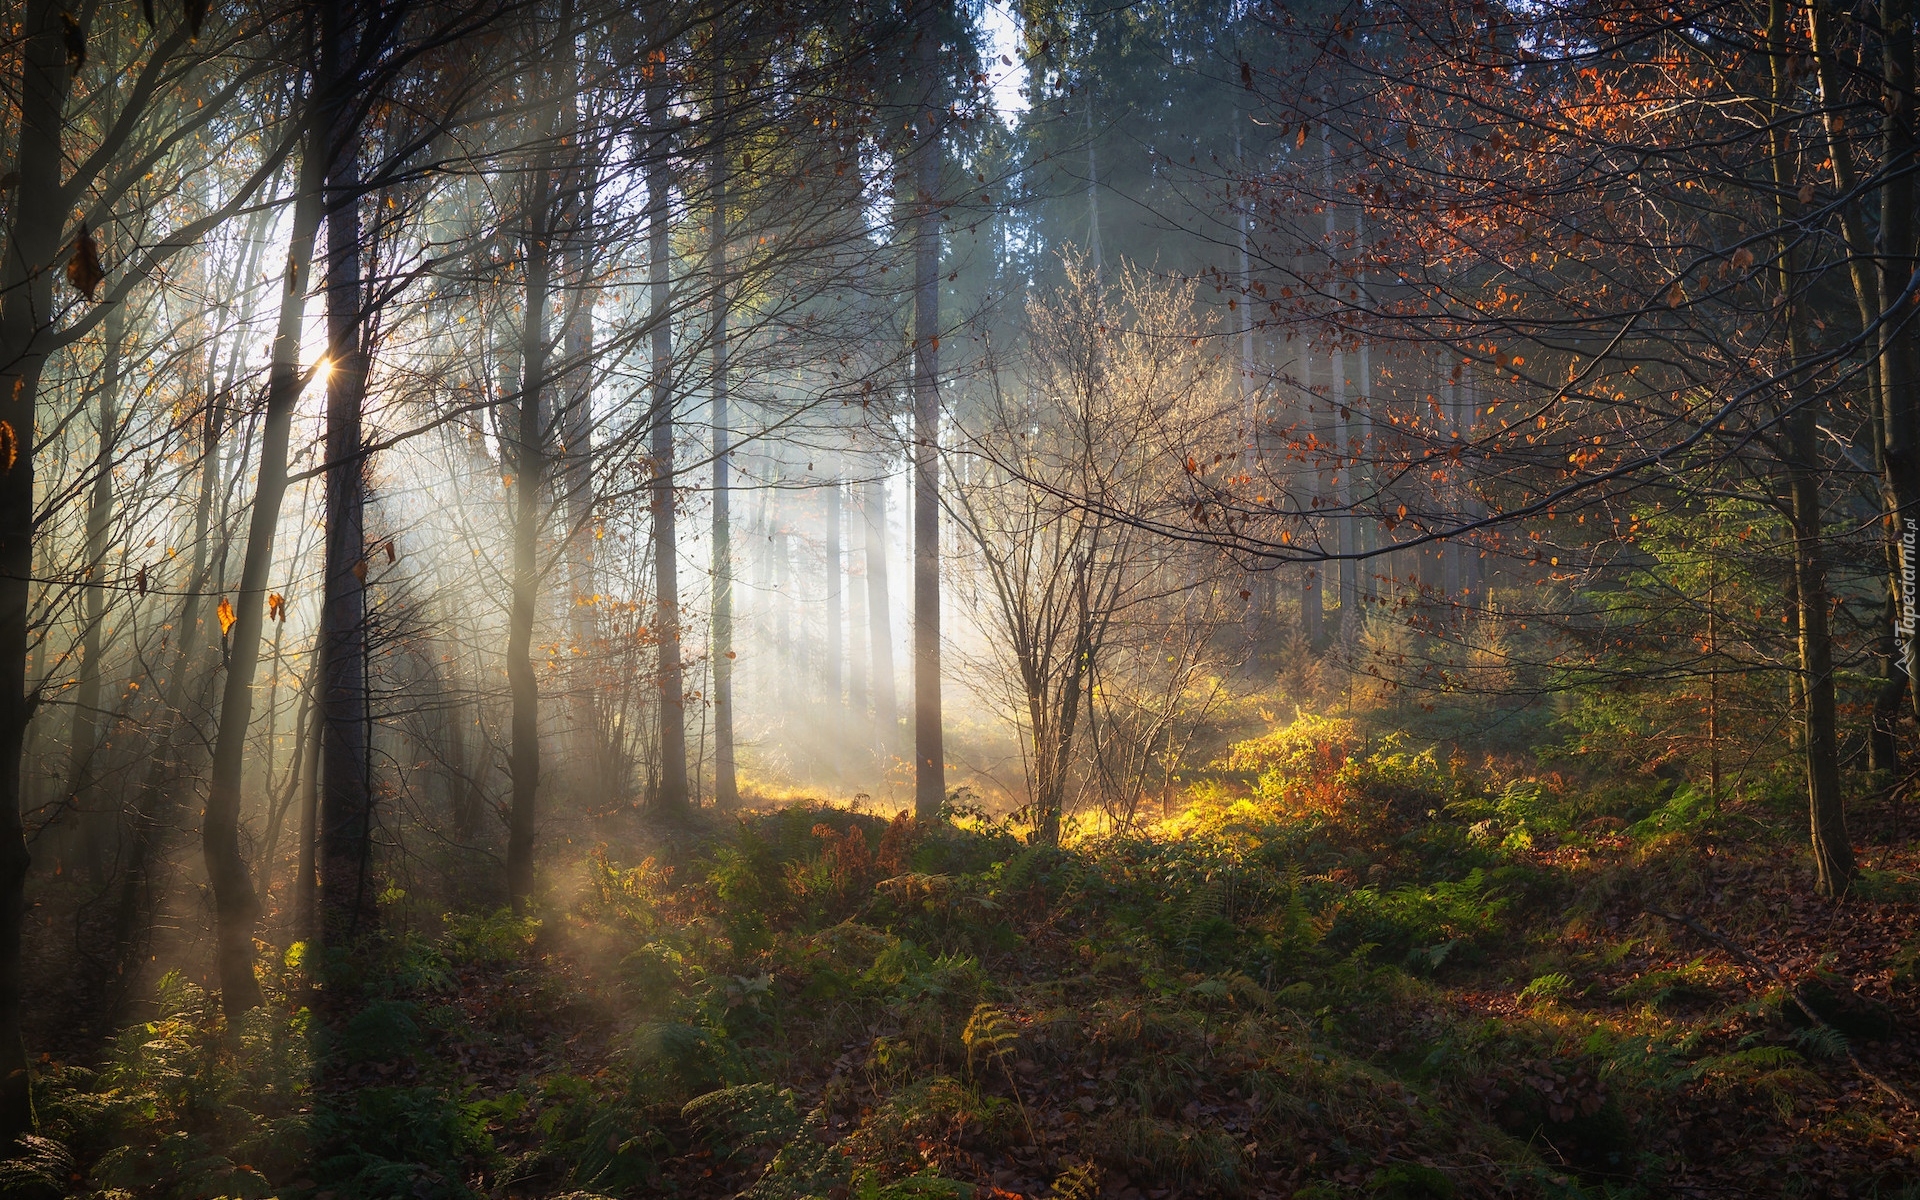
(989, 1032)
(806, 1166)
(1207, 908)
(39, 1167)
(1821, 1041)
(1080, 1181)
(1550, 986)
(748, 1115)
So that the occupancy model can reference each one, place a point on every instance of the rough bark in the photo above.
(726, 785)
(671, 798)
(529, 471)
(1883, 752)
(573, 386)
(1832, 855)
(929, 750)
(345, 849)
(1898, 333)
(27, 271)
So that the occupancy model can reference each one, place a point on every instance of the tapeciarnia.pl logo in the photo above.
(1903, 623)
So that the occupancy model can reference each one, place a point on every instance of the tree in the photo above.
(1097, 423)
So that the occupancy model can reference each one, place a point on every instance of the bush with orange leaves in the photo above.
(1301, 769)
(848, 866)
(1320, 772)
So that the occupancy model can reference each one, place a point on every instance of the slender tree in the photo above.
(929, 746)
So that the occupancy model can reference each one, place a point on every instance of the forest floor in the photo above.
(1360, 975)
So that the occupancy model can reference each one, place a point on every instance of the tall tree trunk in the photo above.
(593, 750)
(1832, 855)
(929, 750)
(1312, 602)
(886, 706)
(857, 694)
(836, 581)
(1883, 747)
(346, 807)
(26, 312)
(671, 798)
(236, 906)
(83, 739)
(726, 787)
(1899, 356)
(306, 883)
(1342, 490)
(529, 470)
(1883, 750)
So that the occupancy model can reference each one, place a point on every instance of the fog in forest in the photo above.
(923, 599)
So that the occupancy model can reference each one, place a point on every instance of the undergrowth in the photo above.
(1360, 973)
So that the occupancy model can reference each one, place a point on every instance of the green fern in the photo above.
(40, 1167)
(748, 1115)
(1821, 1041)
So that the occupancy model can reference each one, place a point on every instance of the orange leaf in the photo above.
(226, 616)
(276, 607)
(83, 269)
(9, 446)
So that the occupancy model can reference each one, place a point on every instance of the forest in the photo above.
(959, 599)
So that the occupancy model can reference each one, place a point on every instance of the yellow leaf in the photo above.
(226, 616)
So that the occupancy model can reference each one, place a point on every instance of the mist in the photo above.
(943, 600)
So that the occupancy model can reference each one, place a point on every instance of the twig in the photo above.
(1765, 969)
